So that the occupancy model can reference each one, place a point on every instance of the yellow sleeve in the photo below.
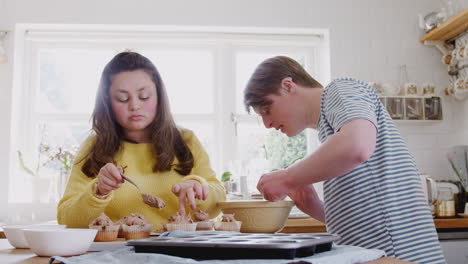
(79, 205)
(207, 176)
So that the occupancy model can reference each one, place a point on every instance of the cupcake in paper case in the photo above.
(132, 219)
(121, 222)
(180, 222)
(202, 220)
(134, 226)
(228, 223)
(136, 231)
(107, 230)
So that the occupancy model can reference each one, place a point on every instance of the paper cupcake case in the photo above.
(205, 225)
(136, 231)
(228, 226)
(105, 233)
(181, 227)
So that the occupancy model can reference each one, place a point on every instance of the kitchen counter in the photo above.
(306, 225)
(8, 254)
(310, 225)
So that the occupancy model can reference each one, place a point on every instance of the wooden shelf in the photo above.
(449, 29)
(306, 225)
(451, 223)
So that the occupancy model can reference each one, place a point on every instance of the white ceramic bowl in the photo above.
(258, 216)
(15, 235)
(60, 242)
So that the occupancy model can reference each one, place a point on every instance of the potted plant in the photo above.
(226, 179)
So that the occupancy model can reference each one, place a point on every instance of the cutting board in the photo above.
(112, 245)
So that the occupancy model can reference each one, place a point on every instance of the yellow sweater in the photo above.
(79, 205)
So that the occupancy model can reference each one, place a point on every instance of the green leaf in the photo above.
(23, 166)
(226, 176)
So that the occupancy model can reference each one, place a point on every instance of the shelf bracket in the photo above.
(440, 45)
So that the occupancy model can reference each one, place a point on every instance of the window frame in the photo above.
(30, 38)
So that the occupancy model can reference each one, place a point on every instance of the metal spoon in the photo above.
(147, 198)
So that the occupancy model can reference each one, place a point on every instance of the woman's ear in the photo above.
(287, 84)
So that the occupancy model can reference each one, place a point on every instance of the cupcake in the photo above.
(135, 226)
(121, 222)
(180, 222)
(107, 230)
(202, 220)
(228, 223)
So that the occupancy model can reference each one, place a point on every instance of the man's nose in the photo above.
(267, 122)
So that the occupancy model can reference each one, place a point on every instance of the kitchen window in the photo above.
(204, 69)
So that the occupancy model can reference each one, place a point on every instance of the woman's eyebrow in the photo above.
(125, 91)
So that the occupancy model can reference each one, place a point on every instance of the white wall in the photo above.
(369, 40)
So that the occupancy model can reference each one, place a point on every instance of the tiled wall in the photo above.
(369, 40)
(429, 142)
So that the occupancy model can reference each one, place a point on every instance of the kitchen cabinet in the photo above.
(449, 29)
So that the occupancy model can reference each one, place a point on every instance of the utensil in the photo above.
(130, 181)
(449, 158)
(458, 160)
(147, 198)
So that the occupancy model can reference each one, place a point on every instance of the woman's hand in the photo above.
(187, 192)
(109, 179)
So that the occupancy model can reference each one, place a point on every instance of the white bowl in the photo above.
(60, 242)
(15, 235)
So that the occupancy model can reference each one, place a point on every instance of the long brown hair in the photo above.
(267, 78)
(166, 138)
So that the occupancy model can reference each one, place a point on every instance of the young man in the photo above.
(372, 191)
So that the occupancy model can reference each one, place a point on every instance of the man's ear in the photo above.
(287, 84)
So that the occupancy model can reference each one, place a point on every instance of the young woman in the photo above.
(135, 134)
(372, 192)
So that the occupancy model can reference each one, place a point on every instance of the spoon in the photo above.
(147, 198)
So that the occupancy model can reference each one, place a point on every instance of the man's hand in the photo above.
(274, 186)
(307, 201)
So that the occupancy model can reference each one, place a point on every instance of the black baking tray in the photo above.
(231, 245)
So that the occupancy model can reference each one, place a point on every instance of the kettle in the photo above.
(429, 188)
(430, 192)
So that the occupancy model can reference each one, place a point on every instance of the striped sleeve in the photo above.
(348, 100)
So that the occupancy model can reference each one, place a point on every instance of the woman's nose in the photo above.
(134, 104)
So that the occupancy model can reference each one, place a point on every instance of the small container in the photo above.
(395, 107)
(446, 208)
(432, 108)
(411, 89)
(414, 108)
(445, 201)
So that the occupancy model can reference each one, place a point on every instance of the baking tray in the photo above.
(224, 245)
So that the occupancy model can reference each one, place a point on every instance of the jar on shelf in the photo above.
(432, 108)
(414, 108)
(395, 107)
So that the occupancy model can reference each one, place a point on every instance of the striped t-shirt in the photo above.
(379, 204)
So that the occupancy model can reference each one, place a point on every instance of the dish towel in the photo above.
(338, 254)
